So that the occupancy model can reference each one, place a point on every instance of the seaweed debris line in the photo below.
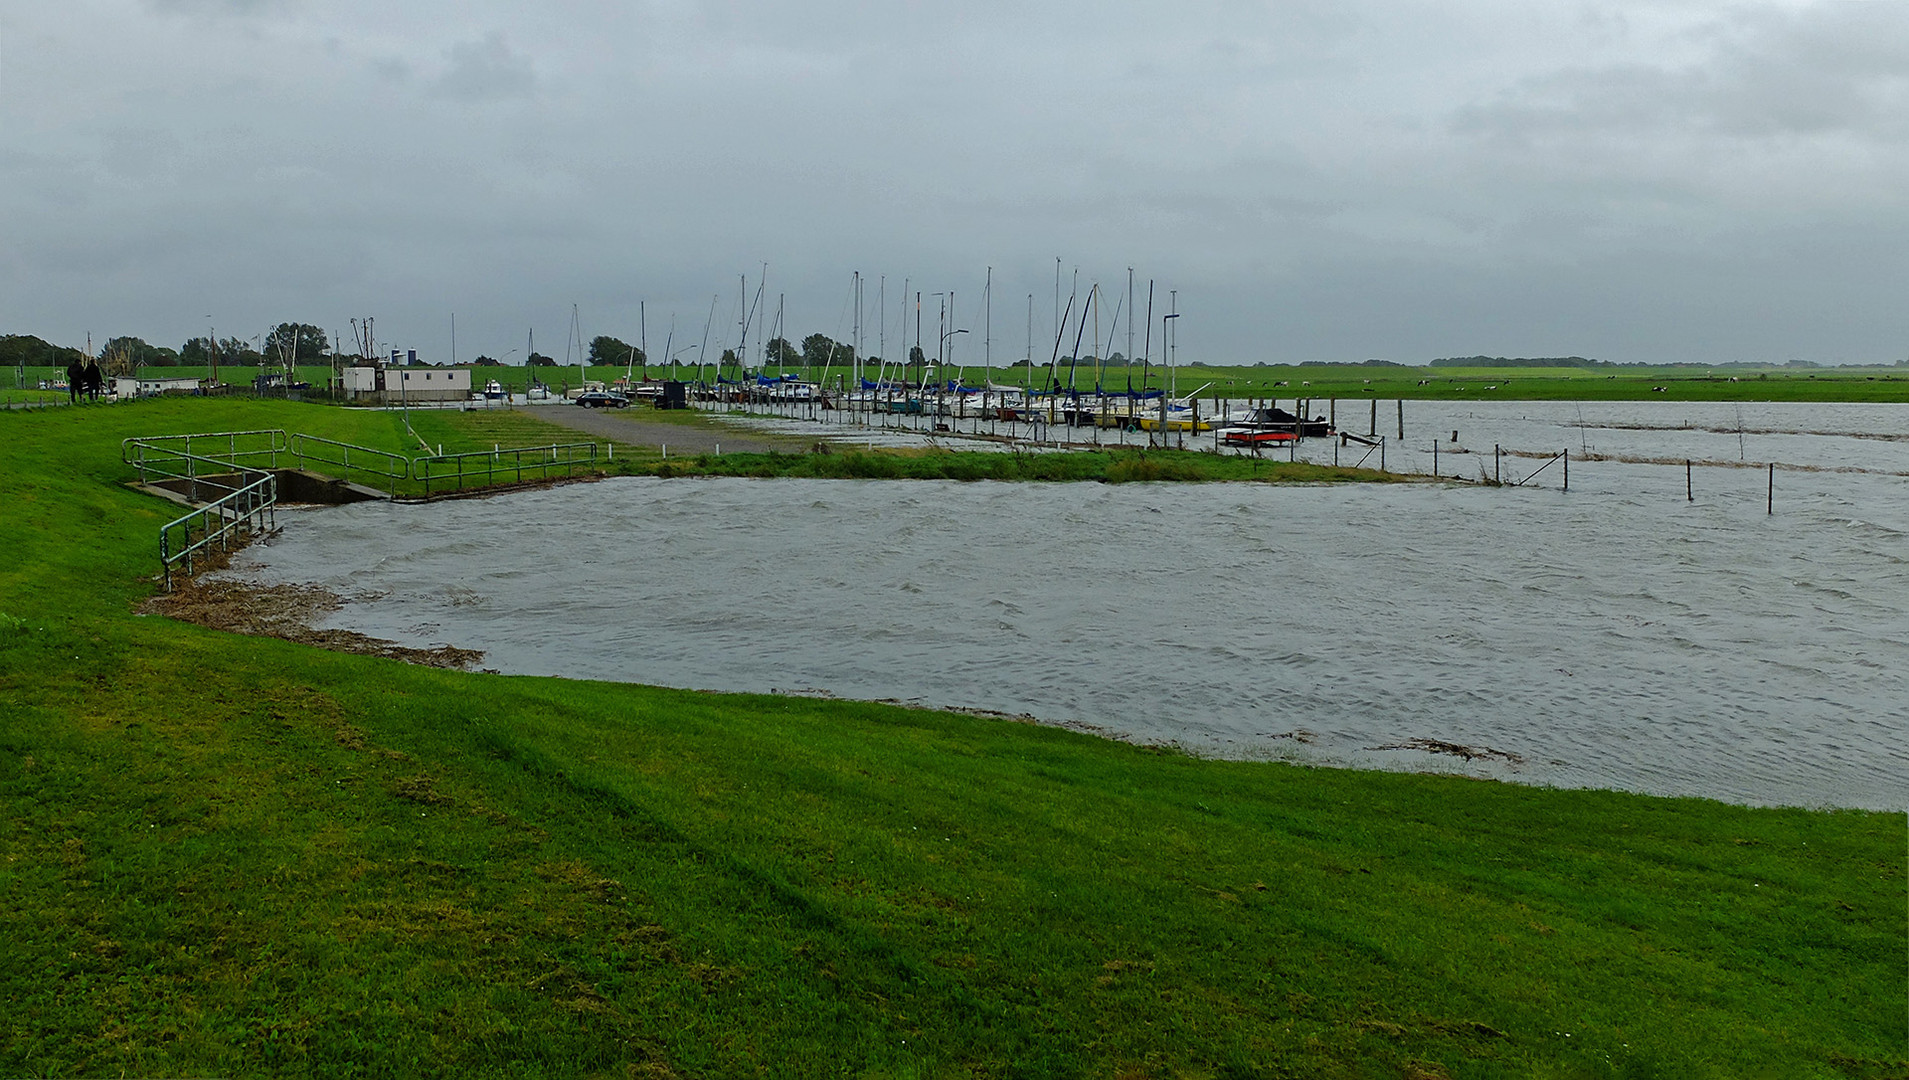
(287, 612)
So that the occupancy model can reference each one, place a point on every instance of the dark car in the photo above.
(602, 399)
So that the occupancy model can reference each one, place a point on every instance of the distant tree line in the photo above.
(1520, 361)
(1606, 365)
(25, 349)
(126, 353)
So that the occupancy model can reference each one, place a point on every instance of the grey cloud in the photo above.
(1829, 69)
(1655, 179)
(219, 8)
(486, 70)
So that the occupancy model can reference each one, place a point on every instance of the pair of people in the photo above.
(85, 380)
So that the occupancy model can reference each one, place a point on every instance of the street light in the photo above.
(1167, 347)
(942, 349)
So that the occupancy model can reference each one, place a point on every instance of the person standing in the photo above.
(95, 382)
(75, 379)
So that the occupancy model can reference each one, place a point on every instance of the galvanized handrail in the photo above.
(393, 467)
(139, 445)
(175, 457)
(250, 508)
(539, 461)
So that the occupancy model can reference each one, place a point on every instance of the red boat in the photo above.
(1255, 437)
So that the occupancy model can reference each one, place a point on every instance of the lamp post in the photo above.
(1166, 337)
(942, 352)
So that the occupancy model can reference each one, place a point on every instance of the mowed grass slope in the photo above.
(225, 855)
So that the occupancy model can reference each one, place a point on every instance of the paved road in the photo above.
(633, 427)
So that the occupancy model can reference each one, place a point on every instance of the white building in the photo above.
(427, 384)
(395, 384)
(127, 387)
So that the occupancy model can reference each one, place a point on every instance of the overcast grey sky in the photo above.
(1331, 180)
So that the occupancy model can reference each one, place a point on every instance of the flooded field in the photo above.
(1618, 635)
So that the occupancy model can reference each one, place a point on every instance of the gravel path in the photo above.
(632, 426)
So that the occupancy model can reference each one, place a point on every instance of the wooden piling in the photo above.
(1690, 494)
(1401, 419)
(1771, 507)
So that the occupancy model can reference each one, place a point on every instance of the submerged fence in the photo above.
(220, 525)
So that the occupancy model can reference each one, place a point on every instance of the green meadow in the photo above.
(227, 855)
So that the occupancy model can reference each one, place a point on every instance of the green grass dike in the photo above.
(238, 856)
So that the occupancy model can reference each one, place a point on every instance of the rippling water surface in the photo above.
(1615, 636)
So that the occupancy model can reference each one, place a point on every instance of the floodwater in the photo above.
(1619, 635)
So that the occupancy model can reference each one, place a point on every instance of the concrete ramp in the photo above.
(294, 486)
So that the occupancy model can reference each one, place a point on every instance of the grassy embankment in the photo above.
(1343, 381)
(239, 856)
(454, 432)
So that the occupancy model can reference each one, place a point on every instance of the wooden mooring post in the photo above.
(1770, 508)
(1690, 494)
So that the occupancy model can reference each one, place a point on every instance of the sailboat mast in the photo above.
(948, 340)
(987, 331)
(1147, 347)
(1129, 327)
(702, 351)
(576, 334)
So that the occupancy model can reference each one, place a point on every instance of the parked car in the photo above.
(602, 399)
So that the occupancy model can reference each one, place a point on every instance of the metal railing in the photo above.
(379, 463)
(450, 472)
(246, 510)
(222, 460)
(236, 464)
